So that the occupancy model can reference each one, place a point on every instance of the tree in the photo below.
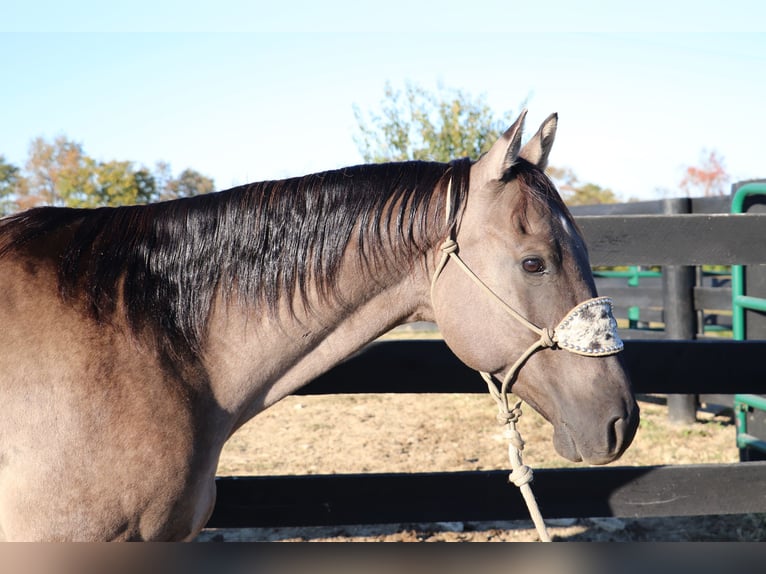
(58, 173)
(11, 185)
(574, 192)
(415, 124)
(708, 179)
(162, 176)
(188, 183)
(120, 183)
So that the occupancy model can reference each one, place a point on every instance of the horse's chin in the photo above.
(566, 446)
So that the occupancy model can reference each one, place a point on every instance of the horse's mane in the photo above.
(264, 242)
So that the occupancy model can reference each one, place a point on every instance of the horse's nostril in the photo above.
(615, 434)
(622, 431)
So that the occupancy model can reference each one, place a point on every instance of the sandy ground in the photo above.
(421, 433)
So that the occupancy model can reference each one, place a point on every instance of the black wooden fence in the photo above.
(685, 302)
(680, 367)
(682, 285)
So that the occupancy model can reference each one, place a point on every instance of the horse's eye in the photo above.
(533, 265)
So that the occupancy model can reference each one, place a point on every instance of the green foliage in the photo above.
(574, 192)
(414, 124)
(119, 183)
(11, 184)
(589, 194)
(187, 184)
(56, 172)
(59, 173)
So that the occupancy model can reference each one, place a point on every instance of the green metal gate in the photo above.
(750, 409)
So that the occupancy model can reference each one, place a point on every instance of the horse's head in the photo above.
(521, 268)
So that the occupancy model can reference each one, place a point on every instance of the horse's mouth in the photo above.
(620, 434)
(600, 448)
(565, 444)
(563, 441)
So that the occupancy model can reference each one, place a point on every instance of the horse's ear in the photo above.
(505, 151)
(537, 149)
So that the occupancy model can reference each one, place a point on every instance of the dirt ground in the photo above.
(419, 433)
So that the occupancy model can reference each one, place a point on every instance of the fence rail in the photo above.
(655, 366)
(694, 239)
(328, 500)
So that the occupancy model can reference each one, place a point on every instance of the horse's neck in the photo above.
(255, 360)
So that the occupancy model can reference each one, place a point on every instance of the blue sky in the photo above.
(250, 92)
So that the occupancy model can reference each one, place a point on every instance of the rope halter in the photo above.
(588, 329)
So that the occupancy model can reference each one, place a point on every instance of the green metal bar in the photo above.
(740, 413)
(754, 401)
(737, 311)
(739, 301)
(634, 313)
(738, 201)
(633, 274)
(745, 440)
(742, 405)
(626, 274)
(754, 303)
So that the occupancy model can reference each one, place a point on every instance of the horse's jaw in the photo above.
(587, 438)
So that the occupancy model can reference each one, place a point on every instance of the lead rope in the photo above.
(521, 475)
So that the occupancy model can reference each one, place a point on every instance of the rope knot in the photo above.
(521, 476)
(506, 417)
(514, 439)
(548, 337)
(449, 246)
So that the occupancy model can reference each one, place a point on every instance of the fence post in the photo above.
(680, 318)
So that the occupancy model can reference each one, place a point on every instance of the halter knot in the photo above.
(449, 246)
(548, 337)
(508, 417)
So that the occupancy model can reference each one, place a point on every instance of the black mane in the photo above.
(262, 242)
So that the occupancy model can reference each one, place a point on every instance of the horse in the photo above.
(135, 340)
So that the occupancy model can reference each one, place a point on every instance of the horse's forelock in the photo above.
(536, 190)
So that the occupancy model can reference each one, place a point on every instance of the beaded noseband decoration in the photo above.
(589, 329)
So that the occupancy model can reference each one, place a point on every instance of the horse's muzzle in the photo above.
(601, 445)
